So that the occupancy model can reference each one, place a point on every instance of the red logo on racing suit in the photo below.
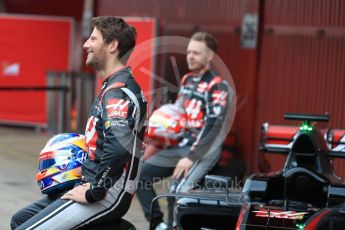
(202, 87)
(117, 108)
(219, 97)
(195, 115)
(91, 136)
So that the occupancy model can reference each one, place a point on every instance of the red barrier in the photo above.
(29, 46)
(143, 58)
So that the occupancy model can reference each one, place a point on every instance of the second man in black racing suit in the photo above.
(206, 99)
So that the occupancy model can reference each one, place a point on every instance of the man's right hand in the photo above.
(77, 194)
(182, 168)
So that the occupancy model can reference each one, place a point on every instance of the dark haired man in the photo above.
(206, 99)
(114, 134)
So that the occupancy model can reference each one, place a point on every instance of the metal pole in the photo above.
(78, 96)
(61, 104)
(50, 108)
(2, 6)
(86, 18)
(68, 102)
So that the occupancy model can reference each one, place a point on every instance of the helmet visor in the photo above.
(45, 164)
(58, 158)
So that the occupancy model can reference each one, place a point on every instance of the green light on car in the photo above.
(300, 226)
(306, 127)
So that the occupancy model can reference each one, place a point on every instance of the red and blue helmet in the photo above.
(60, 162)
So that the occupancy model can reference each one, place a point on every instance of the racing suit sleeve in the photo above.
(118, 119)
(218, 99)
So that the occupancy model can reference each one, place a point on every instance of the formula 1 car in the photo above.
(304, 194)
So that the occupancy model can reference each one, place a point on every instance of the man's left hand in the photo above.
(77, 194)
(182, 167)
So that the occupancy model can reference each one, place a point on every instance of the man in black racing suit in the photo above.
(114, 136)
(115, 126)
(206, 99)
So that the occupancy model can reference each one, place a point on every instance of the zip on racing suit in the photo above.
(114, 136)
(207, 101)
